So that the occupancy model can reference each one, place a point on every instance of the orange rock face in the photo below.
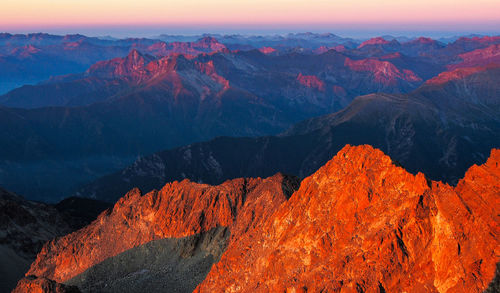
(179, 209)
(42, 285)
(362, 224)
(359, 224)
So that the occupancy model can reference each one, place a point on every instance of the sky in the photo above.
(115, 17)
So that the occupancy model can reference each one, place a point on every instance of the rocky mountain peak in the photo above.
(179, 209)
(374, 41)
(389, 231)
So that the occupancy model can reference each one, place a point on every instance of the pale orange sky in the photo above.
(19, 13)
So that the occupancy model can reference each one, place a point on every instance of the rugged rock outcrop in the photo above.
(362, 224)
(32, 284)
(267, 50)
(203, 45)
(165, 265)
(179, 209)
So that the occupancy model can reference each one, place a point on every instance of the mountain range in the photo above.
(72, 129)
(32, 58)
(449, 123)
(282, 163)
(390, 230)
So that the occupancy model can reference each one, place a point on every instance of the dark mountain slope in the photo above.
(100, 121)
(440, 129)
(25, 226)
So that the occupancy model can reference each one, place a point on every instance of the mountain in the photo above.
(200, 220)
(25, 226)
(422, 47)
(203, 45)
(260, 74)
(404, 63)
(237, 41)
(390, 231)
(384, 72)
(32, 58)
(141, 104)
(478, 57)
(29, 59)
(451, 39)
(473, 43)
(388, 228)
(439, 129)
(374, 41)
(431, 50)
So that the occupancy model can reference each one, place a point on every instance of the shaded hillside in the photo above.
(439, 129)
(126, 107)
(25, 226)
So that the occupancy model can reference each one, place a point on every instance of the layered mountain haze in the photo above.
(32, 58)
(440, 129)
(246, 70)
(390, 229)
(141, 104)
(418, 50)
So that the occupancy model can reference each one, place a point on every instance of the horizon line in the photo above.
(121, 31)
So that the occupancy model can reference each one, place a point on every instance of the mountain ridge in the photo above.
(401, 217)
(438, 129)
(406, 240)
